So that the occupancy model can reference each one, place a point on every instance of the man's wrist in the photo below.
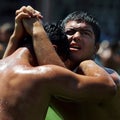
(37, 26)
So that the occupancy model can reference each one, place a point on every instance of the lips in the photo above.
(74, 47)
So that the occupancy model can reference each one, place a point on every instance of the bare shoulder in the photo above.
(53, 70)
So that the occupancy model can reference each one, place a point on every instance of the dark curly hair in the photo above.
(58, 37)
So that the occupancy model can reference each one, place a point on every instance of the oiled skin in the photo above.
(94, 88)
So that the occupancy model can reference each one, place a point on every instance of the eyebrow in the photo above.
(88, 30)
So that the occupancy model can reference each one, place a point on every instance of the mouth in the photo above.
(75, 47)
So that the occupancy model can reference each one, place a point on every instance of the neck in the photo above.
(71, 65)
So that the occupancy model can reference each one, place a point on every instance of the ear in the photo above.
(55, 47)
(97, 45)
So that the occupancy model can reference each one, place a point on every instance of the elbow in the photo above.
(110, 89)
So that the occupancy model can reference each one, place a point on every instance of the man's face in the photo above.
(82, 40)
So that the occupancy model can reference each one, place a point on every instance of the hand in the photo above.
(24, 13)
(31, 25)
(19, 28)
(30, 11)
(32, 17)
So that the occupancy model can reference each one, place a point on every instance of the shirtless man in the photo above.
(22, 80)
(83, 32)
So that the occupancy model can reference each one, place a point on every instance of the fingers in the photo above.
(20, 10)
(38, 14)
(34, 12)
(22, 15)
(30, 11)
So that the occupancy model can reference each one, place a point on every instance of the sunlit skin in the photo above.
(83, 47)
(26, 90)
(79, 93)
(17, 83)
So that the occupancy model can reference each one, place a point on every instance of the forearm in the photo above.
(90, 68)
(17, 35)
(44, 49)
(67, 84)
(11, 47)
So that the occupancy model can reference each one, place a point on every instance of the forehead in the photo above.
(77, 24)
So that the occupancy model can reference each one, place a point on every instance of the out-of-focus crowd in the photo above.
(108, 54)
(6, 30)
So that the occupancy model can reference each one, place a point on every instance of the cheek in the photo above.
(90, 48)
(90, 44)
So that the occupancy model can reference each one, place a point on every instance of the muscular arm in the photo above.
(30, 89)
(64, 83)
(17, 35)
(61, 82)
(12, 46)
(43, 48)
(26, 90)
(94, 81)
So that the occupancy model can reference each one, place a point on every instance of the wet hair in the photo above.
(82, 16)
(58, 37)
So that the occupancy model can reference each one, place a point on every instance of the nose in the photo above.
(76, 37)
(77, 34)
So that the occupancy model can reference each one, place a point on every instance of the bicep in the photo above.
(59, 81)
(65, 83)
